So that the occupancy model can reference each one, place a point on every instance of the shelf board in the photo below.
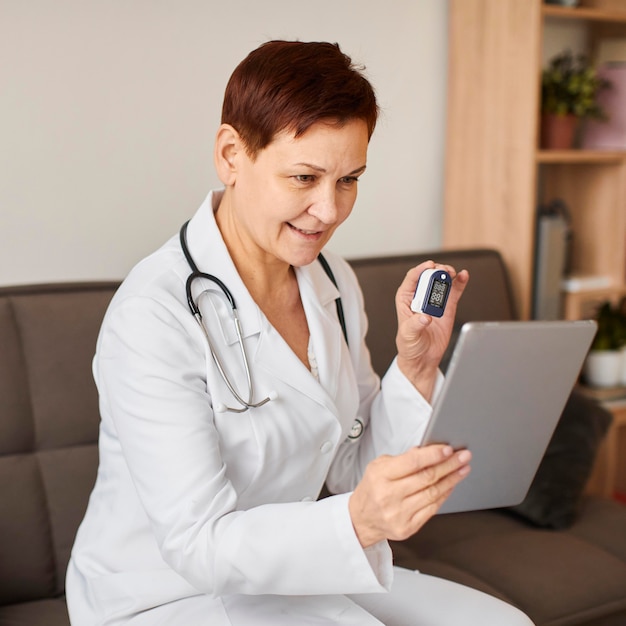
(584, 304)
(604, 292)
(583, 13)
(603, 394)
(580, 156)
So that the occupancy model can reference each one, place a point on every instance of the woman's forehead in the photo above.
(323, 139)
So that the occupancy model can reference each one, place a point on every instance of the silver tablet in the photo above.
(505, 389)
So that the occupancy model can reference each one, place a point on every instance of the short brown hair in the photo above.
(291, 85)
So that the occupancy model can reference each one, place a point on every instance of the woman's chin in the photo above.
(302, 258)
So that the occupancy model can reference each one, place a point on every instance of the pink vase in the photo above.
(610, 134)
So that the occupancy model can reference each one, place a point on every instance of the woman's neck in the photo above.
(263, 274)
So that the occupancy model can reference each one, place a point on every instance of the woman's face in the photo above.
(285, 204)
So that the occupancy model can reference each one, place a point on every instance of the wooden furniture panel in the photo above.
(495, 174)
(493, 88)
(608, 477)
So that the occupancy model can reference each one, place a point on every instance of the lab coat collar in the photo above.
(210, 254)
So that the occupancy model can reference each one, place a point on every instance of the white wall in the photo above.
(108, 110)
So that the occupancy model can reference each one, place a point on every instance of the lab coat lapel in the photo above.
(318, 298)
(337, 376)
(274, 355)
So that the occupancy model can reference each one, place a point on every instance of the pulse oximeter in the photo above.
(431, 293)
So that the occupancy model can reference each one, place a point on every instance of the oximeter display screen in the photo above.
(438, 293)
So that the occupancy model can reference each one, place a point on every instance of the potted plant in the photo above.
(569, 91)
(604, 366)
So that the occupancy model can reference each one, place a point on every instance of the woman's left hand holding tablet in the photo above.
(399, 494)
(421, 339)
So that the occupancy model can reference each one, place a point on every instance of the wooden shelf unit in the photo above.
(496, 176)
(580, 156)
(589, 13)
(608, 477)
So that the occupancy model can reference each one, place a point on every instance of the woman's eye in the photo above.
(348, 180)
(304, 178)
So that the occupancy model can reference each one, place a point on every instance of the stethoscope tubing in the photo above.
(195, 311)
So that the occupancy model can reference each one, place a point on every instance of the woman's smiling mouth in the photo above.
(306, 233)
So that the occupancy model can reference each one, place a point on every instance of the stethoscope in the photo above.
(195, 311)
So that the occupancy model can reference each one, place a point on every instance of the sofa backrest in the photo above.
(487, 297)
(49, 409)
(48, 430)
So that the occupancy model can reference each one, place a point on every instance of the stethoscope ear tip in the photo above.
(273, 394)
(220, 408)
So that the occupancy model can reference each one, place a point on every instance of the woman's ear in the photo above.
(228, 145)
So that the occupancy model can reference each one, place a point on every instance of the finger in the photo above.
(406, 291)
(431, 498)
(427, 485)
(447, 268)
(437, 478)
(458, 287)
(427, 503)
(415, 460)
(422, 515)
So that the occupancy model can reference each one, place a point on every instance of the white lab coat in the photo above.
(220, 507)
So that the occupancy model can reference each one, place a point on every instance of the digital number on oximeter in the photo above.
(432, 292)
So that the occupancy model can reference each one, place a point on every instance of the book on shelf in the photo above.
(585, 282)
(611, 50)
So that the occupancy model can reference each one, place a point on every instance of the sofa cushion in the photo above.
(554, 577)
(68, 476)
(16, 426)
(48, 435)
(51, 612)
(27, 568)
(603, 523)
(58, 331)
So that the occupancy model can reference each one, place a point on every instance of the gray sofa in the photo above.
(48, 461)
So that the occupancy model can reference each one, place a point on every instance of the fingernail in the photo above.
(465, 456)
(447, 451)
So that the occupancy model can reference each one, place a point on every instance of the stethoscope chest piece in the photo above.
(356, 430)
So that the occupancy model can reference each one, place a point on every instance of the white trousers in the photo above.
(420, 600)
(414, 600)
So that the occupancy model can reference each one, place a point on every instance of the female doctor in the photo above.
(229, 394)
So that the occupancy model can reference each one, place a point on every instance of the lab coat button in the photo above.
(307, 499)
(326, 447)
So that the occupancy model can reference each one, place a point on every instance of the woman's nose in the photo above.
(324, 206)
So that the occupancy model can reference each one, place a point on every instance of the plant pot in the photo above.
(558, 131)
(603, 368)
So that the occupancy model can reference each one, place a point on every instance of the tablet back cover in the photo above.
(505, 389)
